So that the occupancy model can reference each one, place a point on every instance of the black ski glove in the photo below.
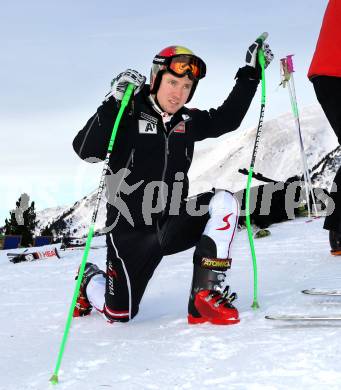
(251, 58)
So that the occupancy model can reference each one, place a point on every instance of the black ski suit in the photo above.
(152, 152)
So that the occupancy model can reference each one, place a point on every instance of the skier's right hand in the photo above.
(120, 83)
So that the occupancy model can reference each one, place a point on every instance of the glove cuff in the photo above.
(248, 72)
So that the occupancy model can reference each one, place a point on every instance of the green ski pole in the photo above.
(124, 103)
(261, 59)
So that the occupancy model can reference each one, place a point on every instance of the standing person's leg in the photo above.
(328, 93)
(212, 234)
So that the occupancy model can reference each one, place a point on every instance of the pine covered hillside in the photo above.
(217, 164)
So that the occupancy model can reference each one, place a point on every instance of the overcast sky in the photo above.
(58, 58)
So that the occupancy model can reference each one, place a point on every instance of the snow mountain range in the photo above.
(216, 164)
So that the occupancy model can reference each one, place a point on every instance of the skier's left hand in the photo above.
(251, 58)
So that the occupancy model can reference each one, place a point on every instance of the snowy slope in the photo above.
(278, 156)
(324, 172)
(46, 216)
(217, 165)
(158, 349)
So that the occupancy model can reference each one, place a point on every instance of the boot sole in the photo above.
(215, 321)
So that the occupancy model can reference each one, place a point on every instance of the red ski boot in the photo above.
(214, 307)
(208, 302)
(83, 306)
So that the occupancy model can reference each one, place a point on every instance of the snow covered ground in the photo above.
(158, 349)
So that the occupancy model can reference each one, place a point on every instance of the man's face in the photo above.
(173, 92)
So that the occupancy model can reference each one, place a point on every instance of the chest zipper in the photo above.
(132, 158)
(166, 156)
(129, 161)
(163, 204)
(187, 156)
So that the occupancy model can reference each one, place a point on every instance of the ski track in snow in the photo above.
(158, 349)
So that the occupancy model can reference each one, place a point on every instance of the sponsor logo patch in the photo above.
(111, 275)
(147, 127)
(158, 60)
(216, 264)
(148, 118)
(226, 220)
(180, 128)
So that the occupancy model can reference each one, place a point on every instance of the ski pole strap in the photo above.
(285, 75)
(287, 68)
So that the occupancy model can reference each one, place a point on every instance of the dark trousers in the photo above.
(328, 93)
(134, 253)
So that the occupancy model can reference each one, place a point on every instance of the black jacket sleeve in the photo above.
(227, 117)
(91, 143)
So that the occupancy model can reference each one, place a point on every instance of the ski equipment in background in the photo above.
(287, 78)
(303, 317)
(69, 244)
(308, 317)
(32, 256)
(323, 291)
(80, 248)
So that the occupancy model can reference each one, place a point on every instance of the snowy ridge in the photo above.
(76, 218)
(47, 216)
(278, 155)
(217, 165)
(323, 173)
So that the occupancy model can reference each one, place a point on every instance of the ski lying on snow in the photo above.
(73, 248)
(322, 291)
(303, 317)
(33, 256)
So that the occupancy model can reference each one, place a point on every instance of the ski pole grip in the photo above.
(262, 37)
(261, 57)
(290, 64)
(127, 94)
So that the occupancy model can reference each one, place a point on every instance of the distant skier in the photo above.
(155, 144)
(325, 74)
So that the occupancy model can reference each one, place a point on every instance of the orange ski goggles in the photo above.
(183, 64)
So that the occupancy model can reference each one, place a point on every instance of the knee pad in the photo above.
(223, 202)
(220, 228)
